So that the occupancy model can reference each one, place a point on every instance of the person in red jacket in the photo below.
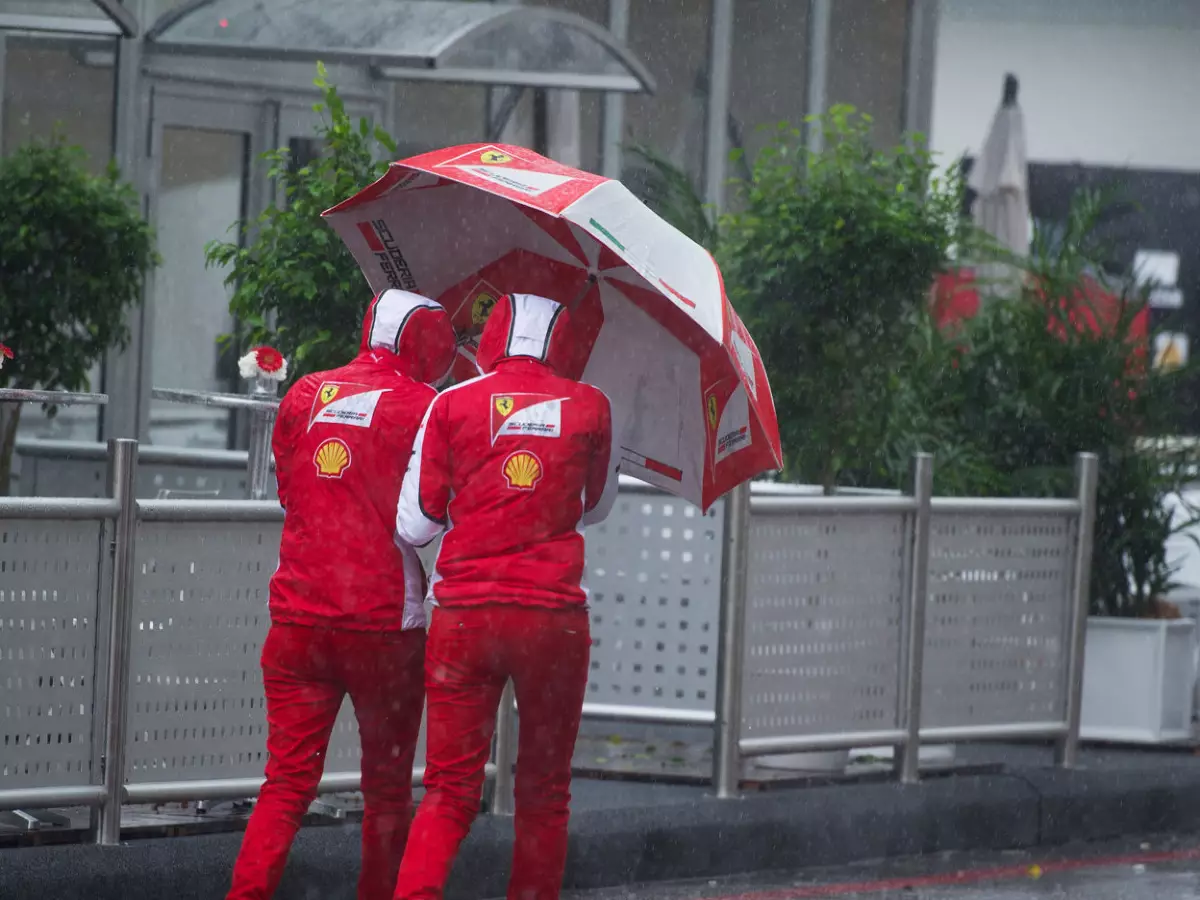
(347, 614)
(512, 465)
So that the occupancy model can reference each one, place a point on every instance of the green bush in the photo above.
(1006, 403)
(295, 285)
(74, 251)
(829, 260)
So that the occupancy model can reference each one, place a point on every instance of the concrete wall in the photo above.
(1104, 82)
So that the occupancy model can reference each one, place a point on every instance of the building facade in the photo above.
(150, 83)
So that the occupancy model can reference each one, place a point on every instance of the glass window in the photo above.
(201, 191)
(672, 40)
(769, 83)
(867, 43)
(429, 115)
(66, 83)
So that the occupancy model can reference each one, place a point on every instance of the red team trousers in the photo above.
(470, 654)
(306, 672)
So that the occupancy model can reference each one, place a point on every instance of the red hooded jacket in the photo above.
(341, 442)
(513, 464)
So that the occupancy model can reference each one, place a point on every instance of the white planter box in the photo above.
(1138, 679)
(928, 753)
(812, 761)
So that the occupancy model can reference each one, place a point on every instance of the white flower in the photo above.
(263, 362)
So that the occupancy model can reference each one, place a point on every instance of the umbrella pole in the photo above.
(574, 304)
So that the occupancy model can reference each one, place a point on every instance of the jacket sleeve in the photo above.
(282, 439)
(604, 476)
(421, 512)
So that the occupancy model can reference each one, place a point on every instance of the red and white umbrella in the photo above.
(692, 409)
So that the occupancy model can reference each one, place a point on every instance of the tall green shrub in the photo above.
(1006, 402)
(74, 251)
(829, 260)
(295, 285)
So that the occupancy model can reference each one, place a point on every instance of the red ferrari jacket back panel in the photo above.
(342, 440)
(513, 464)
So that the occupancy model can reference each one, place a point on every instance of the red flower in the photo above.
(5, 353)
(269, 359)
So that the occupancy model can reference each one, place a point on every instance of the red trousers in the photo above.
(306, 673)
(470, 655)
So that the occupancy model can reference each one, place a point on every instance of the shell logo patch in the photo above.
(712, 411)
(328, 392)
(523, 471)
(494, 158)
(332, 458)
(504, 406)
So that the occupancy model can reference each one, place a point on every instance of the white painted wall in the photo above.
(1105, 82)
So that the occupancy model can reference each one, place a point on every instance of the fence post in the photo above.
(122, 482)
(915, 604)
(503, 802)
(1087, 472)
(730, 659)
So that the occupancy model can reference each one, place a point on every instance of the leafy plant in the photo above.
(829, 261)
(295, 285)
(74, 250)
(1056, 368)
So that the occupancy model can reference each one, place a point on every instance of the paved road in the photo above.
(1152, 869)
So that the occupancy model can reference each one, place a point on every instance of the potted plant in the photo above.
(828, 257)
(1005, 400)
(74, 251)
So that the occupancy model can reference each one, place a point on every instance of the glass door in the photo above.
(207, 181)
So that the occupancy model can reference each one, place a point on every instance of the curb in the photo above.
(704, 838)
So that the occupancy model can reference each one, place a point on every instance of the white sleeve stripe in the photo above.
(413, 525)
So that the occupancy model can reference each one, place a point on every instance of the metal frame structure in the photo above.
(145, 69)
(1066, 523)
(429, 65)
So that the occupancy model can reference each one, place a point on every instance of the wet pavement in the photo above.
(1147, 869)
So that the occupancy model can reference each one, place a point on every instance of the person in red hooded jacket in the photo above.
(511, 465)
(347, 614)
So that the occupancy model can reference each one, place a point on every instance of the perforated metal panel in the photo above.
(62, 477)
(654, 570)
(79, 470)
(224, 484)
(196, 697)
(823, 624)
(996, 624)
(49, 579)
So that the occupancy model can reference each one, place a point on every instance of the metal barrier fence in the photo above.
(130, 631)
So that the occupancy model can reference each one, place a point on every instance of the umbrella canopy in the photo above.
(1000, 180)
(692, 409)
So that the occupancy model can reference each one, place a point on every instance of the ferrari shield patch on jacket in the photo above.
(340, 403)
(526, 415)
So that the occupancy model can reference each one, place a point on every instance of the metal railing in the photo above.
(786, 622)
